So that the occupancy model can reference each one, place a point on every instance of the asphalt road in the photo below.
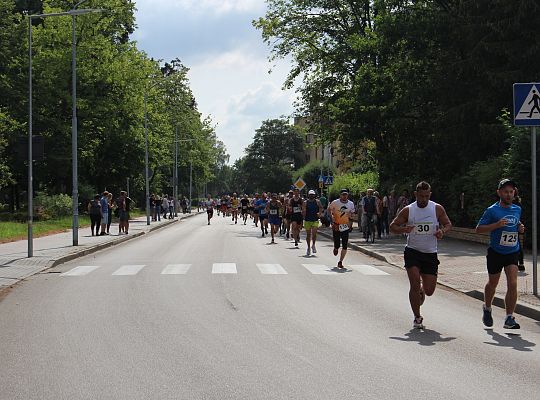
(115, 326)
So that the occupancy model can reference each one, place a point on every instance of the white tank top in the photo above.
(422, 237)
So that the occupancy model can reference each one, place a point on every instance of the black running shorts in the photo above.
(340, 238)
(497, 261)
(428, 263)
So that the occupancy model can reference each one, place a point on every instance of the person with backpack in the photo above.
(94, 210)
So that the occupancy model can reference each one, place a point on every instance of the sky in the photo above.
(227, 58)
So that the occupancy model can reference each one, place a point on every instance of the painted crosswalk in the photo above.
(228, 268)
(80, 270)
(176, 269)
(224, 268)
(271, 269)
(128, 270)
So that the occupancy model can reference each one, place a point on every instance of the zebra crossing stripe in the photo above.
(224, 268)
(80, 270)
(128, 270)
(318, 269)
(176, 269)
(271, 269)
(368, 270)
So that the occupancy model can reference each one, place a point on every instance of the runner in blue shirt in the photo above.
(503, 222)
(263, 216)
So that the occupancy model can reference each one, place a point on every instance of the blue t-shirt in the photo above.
(503, 240)
(104, 205)
(261, 205)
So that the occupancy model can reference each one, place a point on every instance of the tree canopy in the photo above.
(113, 77)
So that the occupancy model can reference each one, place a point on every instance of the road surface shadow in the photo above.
(424, 337)
(511, 340)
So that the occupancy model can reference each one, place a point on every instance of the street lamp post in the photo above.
(73, 13)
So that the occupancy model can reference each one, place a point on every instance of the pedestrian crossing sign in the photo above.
(299, 184)
(526, 104)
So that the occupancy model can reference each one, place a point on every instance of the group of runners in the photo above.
(423, 221)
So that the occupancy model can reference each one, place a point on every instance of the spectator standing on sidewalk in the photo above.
(164, 205)
(502, 221)
(158, 207)
(153, 207)
(403, 200)
(171, 207)
(104, 212)
(425, 222)
(378, 212)
(385, 223)
(369, 211)
(392, 206)
(94, 210)
(359, 212)
(110, 210)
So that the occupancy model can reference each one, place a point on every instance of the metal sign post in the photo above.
(527, 113)
(534, 212)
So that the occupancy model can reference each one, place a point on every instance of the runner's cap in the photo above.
(312, 192)
(506, 182)
(344, 191)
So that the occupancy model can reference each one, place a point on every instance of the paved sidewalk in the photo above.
(463, 267)
(55, 249)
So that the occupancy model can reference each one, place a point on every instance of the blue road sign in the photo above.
(329, 180)
(526, 104)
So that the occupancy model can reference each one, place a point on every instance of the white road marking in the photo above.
(481, 272)
(368, 270)
(319, 269)
(224, 268)
(80, 270)
(176, 269)
(271, 269)
(128, 270)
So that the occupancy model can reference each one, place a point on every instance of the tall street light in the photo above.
(75, 196)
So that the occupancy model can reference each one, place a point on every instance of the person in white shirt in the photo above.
(425, 222)
(341, 210)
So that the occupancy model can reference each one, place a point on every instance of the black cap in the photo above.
(344, 191)
(506, 182)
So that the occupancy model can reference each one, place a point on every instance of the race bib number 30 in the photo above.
(343, 227)
(509, 239)
(424, 228)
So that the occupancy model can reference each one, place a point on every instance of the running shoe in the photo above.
(340, 265)
(313, 249)
(521, 267)
(510, 323)
(418, 323)
(336, 251)
(266, 230)
(262, 234)
(296, 243)
(308, 252)
(487, 319)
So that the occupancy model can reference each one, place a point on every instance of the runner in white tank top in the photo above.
(424, 222)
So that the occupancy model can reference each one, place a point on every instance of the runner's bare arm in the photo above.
(491, 227)
(399, 224)
(444, 222)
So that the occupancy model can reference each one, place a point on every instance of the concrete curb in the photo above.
(521, 308)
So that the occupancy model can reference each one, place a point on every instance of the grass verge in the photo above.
(12, 231)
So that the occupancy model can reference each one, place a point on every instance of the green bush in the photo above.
(356, 183)
(52, 206)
